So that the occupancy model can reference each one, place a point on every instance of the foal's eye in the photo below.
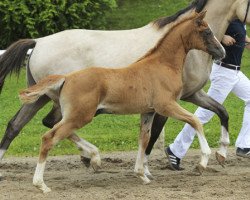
(207, 32)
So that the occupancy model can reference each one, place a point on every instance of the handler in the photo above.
(225, 77)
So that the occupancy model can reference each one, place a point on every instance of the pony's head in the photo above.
(203, 38)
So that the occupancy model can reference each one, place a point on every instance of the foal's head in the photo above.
(202, 38)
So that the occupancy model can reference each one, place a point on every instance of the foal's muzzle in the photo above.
(217, 52)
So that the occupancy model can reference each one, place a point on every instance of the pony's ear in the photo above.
(200, 17)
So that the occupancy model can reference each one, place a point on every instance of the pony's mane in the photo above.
(181, 20)
(196, 5)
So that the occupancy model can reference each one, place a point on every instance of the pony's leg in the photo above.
(53, 118)
(49, 139)
(90, 149)
(15, 125)
(173, 109)
(157, 128)
(64, 129)
(203, 100)
(145, 131)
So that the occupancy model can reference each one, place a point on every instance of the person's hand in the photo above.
(228, 40)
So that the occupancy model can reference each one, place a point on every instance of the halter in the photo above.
(246, 12)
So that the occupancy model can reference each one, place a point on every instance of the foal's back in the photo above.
(120, 91)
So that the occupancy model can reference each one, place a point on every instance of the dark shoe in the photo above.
(174, 161)
(245, 153)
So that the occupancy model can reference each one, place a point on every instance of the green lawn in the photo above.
(111, 133)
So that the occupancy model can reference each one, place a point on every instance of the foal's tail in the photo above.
(50, 85)
(13, 58)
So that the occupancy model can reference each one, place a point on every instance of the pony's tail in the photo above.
(51, 85)
(13, 58)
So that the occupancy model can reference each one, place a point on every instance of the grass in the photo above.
(114, 133)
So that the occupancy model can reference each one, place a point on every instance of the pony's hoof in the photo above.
(145, 179)
(147, 173)
(46, 190)
(95, 162)
(95, 167)
(85, 161)
(199, 169)
(41, 186)
(150, 176)
(221, 159)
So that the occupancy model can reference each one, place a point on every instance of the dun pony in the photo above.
(152, 84)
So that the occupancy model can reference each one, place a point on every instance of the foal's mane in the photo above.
(198, 5)
(180, 21)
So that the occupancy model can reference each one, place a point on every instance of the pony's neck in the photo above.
(174, 46)
(225, 12)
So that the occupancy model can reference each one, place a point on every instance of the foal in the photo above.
(152, 84)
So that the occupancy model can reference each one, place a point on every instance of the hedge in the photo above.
(32, 19)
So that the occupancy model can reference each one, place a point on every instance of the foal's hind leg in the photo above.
(64, 129)
(60, 131)
(145, 130)
(90, 149)
(203, 100)
(52, 137)
(173, 109)
(54, 117)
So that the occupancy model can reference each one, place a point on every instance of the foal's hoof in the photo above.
(95, 167)
(221, 159)
(46, 190)
(95, 162)
(145, 179)
(85, 161)
(149, 175)
(199, 169)
(41, 186)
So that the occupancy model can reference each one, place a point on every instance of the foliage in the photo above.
(25, 18)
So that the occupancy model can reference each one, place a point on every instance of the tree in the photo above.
(32, 19)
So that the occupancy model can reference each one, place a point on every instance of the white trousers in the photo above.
(223, 81)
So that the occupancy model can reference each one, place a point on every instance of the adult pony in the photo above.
(152, 84)
(74, 49)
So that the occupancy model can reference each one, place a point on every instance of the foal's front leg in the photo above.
(145, 131)
(173, 109)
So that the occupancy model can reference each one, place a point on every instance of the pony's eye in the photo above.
(208, 32)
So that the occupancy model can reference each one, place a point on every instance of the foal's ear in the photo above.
(202, 14)
(200, 17)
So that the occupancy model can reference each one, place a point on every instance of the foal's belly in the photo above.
(123, 109)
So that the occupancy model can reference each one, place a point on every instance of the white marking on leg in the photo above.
(138, 164)
(38, 178)
(91, 151)
(205, 150)
(139, 168)
(146, 169)
(2, 152)
(224, 142)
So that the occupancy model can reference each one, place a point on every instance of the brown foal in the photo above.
(152, 84)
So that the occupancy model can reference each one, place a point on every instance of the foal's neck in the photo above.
(174, 47)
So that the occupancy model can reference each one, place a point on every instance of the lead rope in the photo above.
(246, 12)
